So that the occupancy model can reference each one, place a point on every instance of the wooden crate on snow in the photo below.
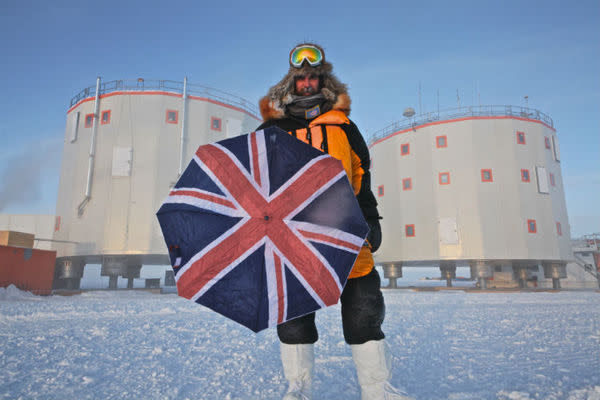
(16, 239)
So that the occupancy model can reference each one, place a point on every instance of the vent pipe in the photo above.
(183, 126)
(92, 154)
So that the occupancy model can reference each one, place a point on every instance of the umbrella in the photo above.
(262, 228)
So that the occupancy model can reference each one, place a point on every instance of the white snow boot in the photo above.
(373, 367)
(298, 361)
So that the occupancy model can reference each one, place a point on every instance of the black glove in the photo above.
(374, 236)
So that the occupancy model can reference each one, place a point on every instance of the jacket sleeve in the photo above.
(287, 124)
(265, 124)
(365, 197)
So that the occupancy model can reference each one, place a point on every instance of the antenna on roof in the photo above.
(408, 113)
(420, 107)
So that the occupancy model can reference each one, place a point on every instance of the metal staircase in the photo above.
(585, 248)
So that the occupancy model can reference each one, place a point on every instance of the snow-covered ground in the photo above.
(447, 345)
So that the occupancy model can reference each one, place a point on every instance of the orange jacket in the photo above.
(333, 133)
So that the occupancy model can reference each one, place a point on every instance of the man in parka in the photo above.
(313, 105)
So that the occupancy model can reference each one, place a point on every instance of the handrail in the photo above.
(166, 85)
(452, 113)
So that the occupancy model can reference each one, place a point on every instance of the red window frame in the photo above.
(547, 142)
(483, 179)
(552, 180)
(407, 227)
(380, 191)
(447, 174)
(91, 120)
(437, 141)
(404, 184)
(212, 124)
(531, 226)
(172, 121)
(102, 121)
(558, 229)
(57, 223)
(519, 135)
(525, 178)
(405, 146)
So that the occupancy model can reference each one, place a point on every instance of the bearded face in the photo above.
(307, 85)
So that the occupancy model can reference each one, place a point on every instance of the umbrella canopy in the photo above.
(262, 228)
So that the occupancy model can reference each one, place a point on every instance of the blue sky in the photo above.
(547, 50)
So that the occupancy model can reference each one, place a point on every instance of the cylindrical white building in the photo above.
(126, 143)
(480, 185)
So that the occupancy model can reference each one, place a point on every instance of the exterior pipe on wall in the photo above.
(183, 126)
(92, 154)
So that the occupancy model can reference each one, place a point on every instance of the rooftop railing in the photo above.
(142, 85)
(459, 112)
(591, 242)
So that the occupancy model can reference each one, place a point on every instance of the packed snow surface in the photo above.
(447, 345)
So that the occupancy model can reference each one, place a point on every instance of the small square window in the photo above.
(547, 142)
(89, 120)
(444, 178)
(520, 137)
(558, 229)
(407, 184)
(525, 175)
(531, 226)
(380, 190)
(486, 175)
(215, 123)
(409, 230)
(552, 181)
(441, 141)
(172, 117)
(105, 117)
(405, 149)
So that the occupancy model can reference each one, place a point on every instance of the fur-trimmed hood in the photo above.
(273, 105)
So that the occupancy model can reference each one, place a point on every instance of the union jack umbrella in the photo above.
(262, 228)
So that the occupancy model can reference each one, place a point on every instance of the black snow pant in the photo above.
(363, 311)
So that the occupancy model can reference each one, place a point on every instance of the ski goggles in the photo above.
(312, 54)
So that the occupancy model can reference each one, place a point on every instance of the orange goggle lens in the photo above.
(309, 53)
